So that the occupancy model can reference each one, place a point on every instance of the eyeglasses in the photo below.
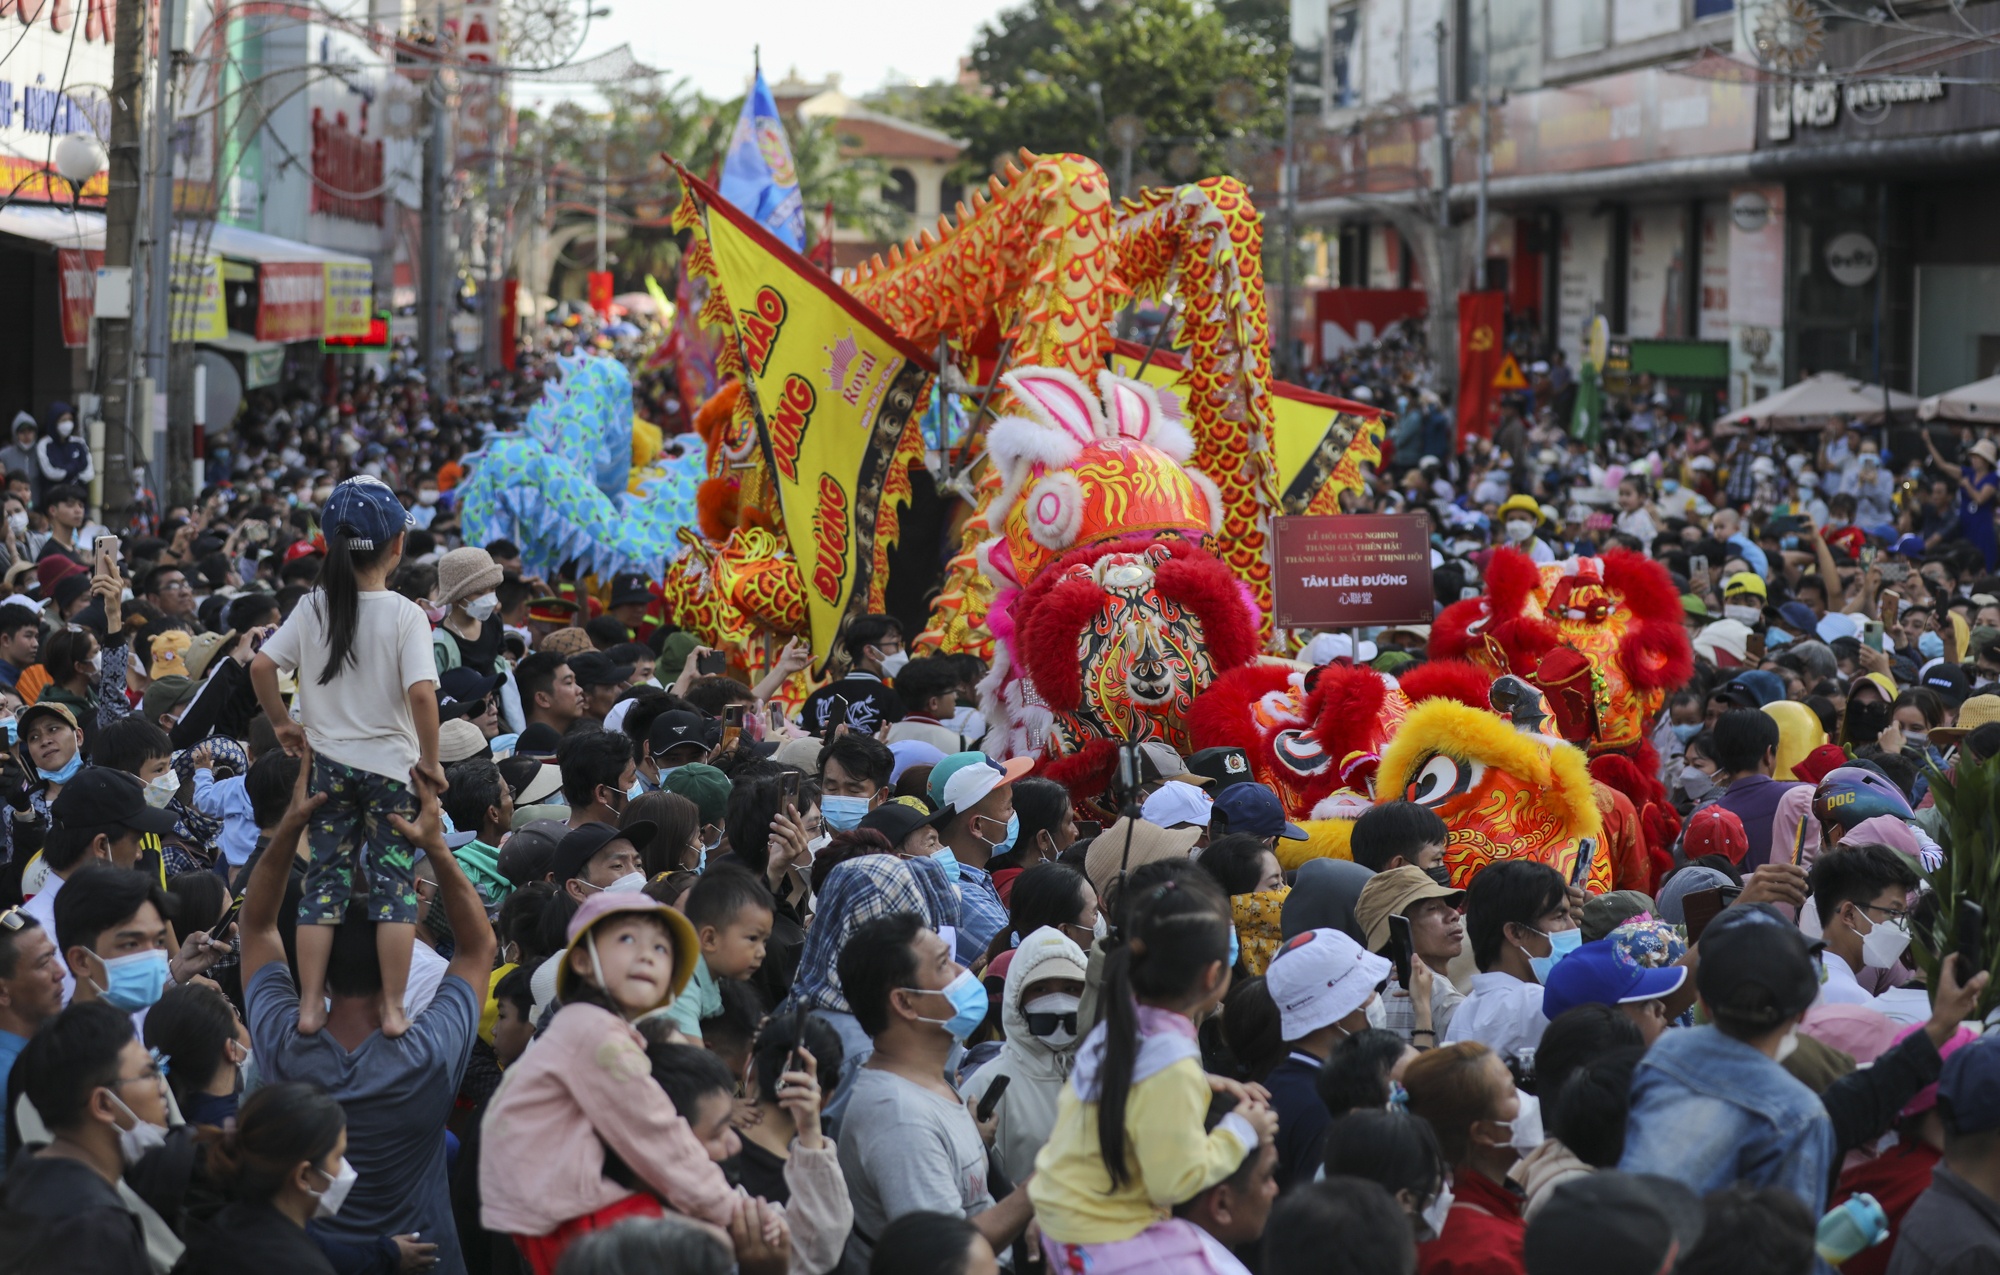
(1896, 915)
(13, 919)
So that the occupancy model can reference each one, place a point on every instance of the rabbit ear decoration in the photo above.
(1137, 413)
(1056, 398)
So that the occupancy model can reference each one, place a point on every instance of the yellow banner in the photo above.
(349, 297)
(198, 313)
(1318, 442)
(835, 388)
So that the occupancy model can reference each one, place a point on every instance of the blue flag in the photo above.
(757, 174)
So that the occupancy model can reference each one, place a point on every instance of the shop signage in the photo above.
(291, 300)
(57, 60)
(1851, 258)
(1817, 103)
(1346, 570)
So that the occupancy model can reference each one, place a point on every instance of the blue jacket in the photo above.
(1711, 1112)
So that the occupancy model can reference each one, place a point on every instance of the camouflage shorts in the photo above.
(356, 854)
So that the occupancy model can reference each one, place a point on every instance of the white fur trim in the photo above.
(1054, 507)
(1172, 437)
(1017, 445)
(1342, 805)
(1131, 406)
(982, 553)
(1214, 494)
(1060, 400)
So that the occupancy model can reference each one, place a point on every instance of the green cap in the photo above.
(944, 770)
(704, 785)
(165, 695)
(1694, 606)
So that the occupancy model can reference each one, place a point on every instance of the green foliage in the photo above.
(1207, 81)
(1970, 837)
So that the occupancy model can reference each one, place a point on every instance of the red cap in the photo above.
(1819, 763)
(54, 568)
(301, 548)
(1713, 830)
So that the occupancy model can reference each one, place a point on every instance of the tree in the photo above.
(1206, 82)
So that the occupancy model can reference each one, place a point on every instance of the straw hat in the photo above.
(1980, 710)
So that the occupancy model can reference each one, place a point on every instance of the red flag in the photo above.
(600, 292)
(1482, 327)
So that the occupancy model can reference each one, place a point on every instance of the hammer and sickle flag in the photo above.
(836, 392)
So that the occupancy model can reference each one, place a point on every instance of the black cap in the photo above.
(1225, 766)
(679, 728)
(466, 685)
(1611, 1223)
(1735, 693)
(100, 797)
(531, 851)
(897, 821)
(1950, 682)
(576, 849)
(539, 740)
(594, 668)
(630, 590)
(1756, 969)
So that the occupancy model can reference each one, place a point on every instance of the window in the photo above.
(1576, 26)
(1343, 75)
(901, 190)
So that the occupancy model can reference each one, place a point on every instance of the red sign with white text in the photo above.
(76, 269)
(1350, 317)
(291, 301)
(1341, 571)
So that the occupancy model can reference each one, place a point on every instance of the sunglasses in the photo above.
(1043, 1024)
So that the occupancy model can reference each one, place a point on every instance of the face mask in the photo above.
(427, 498)
(944, 858)
(819, 843)
(1866, 721)
(63, 429)
(1434, 1212)
(1561, 944)
(893, 664)
(1921, 738)
(1439, 874)
(133, 982)
(968, 1003)
(134, 1143)
(1524, 1133)
(163, 790)
(1746, 615)
(1005, 843)
(1052, 1018)
(842, 813)
(626, 884)
(638, 788)
(1789, 1045)
(336, 1191)
(1519, 529)
(1100, 928)
(1931, 646)
(1884, 943)
(482, 607)
(1684, 731)
(1695, 783)
(17, 523)
(1670, 485)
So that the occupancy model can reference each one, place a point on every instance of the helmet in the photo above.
(1854, 793)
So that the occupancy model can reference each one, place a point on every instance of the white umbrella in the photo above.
(1979, 401)
(1826, 395)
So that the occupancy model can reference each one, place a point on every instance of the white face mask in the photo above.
(134, 1143)
(1519, 529)
(336, 1191)
(162, 790)
(1525, 1131)
(893, 664)
(1746, 615)
(17, 523)
(1789, 1045)
(819, 843)
(482, 607)
(427, 498)
(626, 884)
(1434, 1212)
(1059, 1036)
(1884, 943)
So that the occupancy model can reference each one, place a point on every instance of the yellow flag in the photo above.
(835, 388)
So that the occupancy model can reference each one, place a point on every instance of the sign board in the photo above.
(349, 298)
(600, 292)
(291, 300)
(1347, 570)
(1509, 376)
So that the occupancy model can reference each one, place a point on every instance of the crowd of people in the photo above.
(371, 905)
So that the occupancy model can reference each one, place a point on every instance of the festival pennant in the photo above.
(836, 389)
(757, 172)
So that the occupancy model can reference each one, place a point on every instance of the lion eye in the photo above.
(1443, 778)
(1300, 752)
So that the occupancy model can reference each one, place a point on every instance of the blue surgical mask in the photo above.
(944, 858)
(63, 776)
(134, 982)
(1561, 944)
(1931, 646)
(1684, 731)
(968, 1004)
(842, 813)
(1006, 843)
(1670, 485)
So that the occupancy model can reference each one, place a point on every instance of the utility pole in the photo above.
(603, 197)
(121, 229)
(1288, 183)
(1442, 35)
(1485, 137)
(433, 331)
(496, 271)
(167, 443)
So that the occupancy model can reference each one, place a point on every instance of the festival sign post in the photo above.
(1348, 571)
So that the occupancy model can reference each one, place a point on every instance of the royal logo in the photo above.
(760, 327)
(830, 539)
(788, 424)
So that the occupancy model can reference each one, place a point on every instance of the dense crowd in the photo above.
(371, 906)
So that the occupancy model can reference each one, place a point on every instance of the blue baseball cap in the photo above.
(1255, 809)
(1601, 973)
(365, 512)
(1971, 1085)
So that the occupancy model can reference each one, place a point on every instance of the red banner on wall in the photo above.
(1482, 329)
(291, 300)
(600, 292)
(1348, 317)
(76, 268)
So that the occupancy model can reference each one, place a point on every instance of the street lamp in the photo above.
(79, 157)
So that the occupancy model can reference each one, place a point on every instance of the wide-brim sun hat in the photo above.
(598, 907)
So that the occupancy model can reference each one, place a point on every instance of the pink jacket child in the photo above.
(586, 1087)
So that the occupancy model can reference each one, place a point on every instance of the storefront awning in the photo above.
(55, 226)
(250, 245)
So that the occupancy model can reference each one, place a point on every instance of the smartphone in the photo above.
(1895, 572)
(777, 714)
(732, 723)
(221, 927)
(1867, 557)
(1700, 907)
(1871, 634)
(714, 664)
(1400, 948)
(991, 1099)
(1088, 828)
(108, 553)
(1128, 767)
(1971, 946)
(1586, 853)
(836, 716)
(788, 784)
(1698, 564)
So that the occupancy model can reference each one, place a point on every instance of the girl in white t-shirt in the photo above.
(368, 717)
